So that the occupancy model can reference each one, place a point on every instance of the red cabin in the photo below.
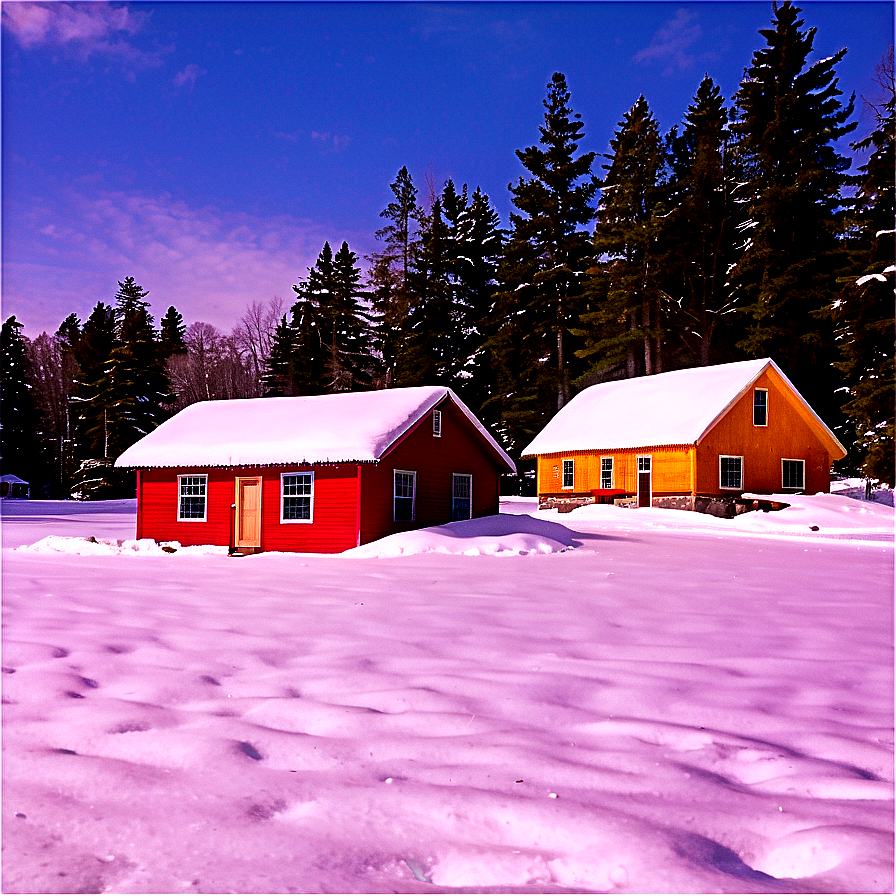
(319, 473)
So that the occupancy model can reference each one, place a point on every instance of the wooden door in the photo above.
(645, 486)
(248, 512)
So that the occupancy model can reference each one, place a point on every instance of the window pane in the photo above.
(730, 472)
(298, 489)
(568, 473)
(793, 474)
(760, 407)
(606, 472)
(403, 499)
(644, 464)
(461, 495)
(192, 497)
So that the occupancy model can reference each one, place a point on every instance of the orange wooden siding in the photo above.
(671, 470)
(791, 433)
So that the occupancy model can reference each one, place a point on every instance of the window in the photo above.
(731, 471)
(793, 474)
(606, 472)
(569, 473)
(296, 497)
(760, 407)
(461, 496)
(644, 463)
(191, 498)
(405, 487)
(437, 424)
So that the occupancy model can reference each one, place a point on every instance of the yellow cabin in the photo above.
(685, 439)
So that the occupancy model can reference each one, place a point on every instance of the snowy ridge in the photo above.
(348, 427)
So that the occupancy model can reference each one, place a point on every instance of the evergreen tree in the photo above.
(138, 384)
(542, 272)
(279, 375)
(351, 361)
(93, 388)
(788, 118)
(390, 288)
(624, 328)
(699, 233)
(18, 417)
(863, 310)
(172, 336)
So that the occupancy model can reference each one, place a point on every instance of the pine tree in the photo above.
(698, 235)
(788, 118)
(279, 374)
(18, 418)
(93, 388)
(542, 272)
(138, 386)
(351, 363)
(624, 328)
(863, 310)
(172, 336)
(390, 288)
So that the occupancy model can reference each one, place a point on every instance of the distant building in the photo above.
(13, 487)
(687, 439)
(319, 473)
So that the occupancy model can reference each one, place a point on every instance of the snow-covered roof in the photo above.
(8, 477)
(348, 427)
(676, 408)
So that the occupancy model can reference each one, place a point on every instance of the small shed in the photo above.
(319, 473)
(684, 438)
(13, 487)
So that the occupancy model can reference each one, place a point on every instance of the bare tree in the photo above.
(254, 334)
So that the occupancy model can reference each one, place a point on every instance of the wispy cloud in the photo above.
(336, 142)
(85, 28)
(672, 42)
(67, 253)
(189, 75)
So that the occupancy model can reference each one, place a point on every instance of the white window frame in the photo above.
(572, 467)
(395, 495)
(469, 478)
(793, 460)
(612, 472)
(755, 393)
(181, 496)
(283, 496)
(437, 424)
(732, 488)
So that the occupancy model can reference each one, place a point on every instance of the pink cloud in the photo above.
(87, 28)
(69, 252)
(189, 75)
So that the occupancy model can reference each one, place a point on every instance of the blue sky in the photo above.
(209, 149)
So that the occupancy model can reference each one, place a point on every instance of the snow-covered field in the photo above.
(610, 700)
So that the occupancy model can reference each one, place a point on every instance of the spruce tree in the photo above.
(351, 362)
(93, 389)
(542, 271)
(18, 417)
(863, 310)
(624, 327)
(278, 378)
(699, 233)
(390, 288)
(788, 118)
(139, 384)
(172, 335)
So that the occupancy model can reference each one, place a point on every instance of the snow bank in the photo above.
(808, 516)
(492, 535)
(90, 546)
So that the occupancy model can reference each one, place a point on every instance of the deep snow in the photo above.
(625, 700)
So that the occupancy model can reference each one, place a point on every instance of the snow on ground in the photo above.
(610, 700)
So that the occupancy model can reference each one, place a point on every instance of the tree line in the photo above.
(739, 233)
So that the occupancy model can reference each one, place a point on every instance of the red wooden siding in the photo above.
(460, 449)
(334, 526)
